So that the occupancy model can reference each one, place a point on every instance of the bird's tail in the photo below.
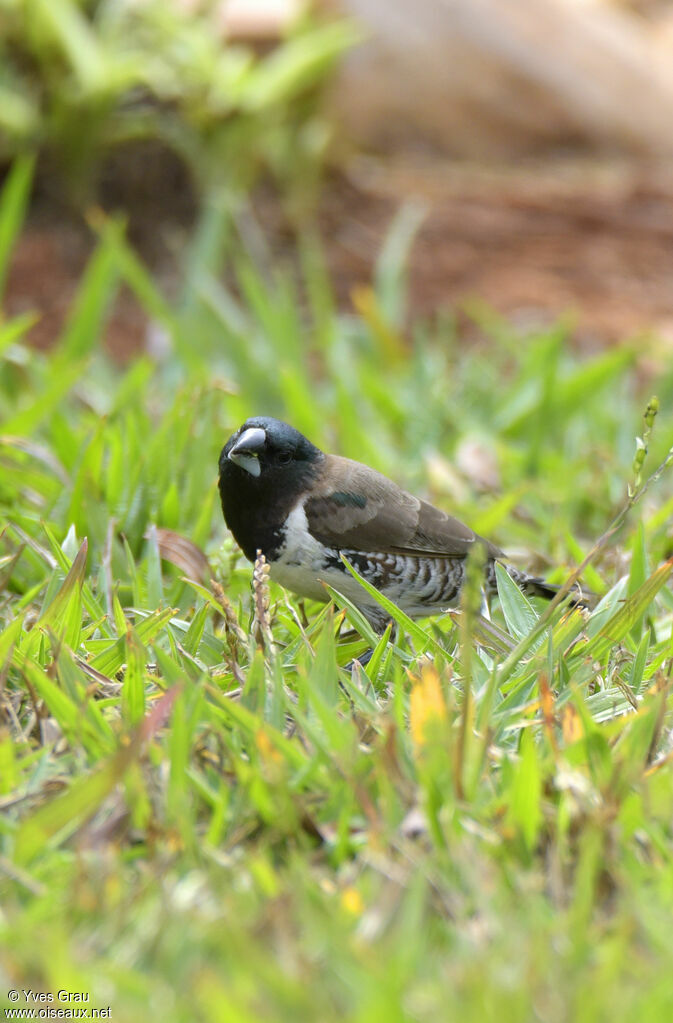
(535, 587)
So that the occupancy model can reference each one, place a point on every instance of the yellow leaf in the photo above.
(426, 704)
(367, 305)
(267, 750)
(571, 723)
(547, 704)
(351, 900)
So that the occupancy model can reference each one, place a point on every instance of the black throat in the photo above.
(255, 507)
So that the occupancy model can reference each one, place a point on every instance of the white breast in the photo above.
(300, 564)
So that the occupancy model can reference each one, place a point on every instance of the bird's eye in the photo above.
(284, 457)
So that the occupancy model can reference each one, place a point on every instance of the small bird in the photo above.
(304, 509)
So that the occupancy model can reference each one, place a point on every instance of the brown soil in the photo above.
(532, 243)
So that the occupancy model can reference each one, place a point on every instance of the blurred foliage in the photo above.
(218, 819)
(81, 77)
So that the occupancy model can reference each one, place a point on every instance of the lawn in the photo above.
(205, 814)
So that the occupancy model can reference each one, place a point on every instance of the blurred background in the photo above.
(533, 138)
(437, 237)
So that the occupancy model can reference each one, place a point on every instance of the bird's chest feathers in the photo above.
(303, 563)
(300, 559)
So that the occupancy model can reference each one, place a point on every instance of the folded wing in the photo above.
(355, 508)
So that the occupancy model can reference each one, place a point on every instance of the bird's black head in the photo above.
(263, 446)
(264, 467)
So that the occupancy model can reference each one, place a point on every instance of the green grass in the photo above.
(197, 819)
(80, 79)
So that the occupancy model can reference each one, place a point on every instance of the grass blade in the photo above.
(13, 205)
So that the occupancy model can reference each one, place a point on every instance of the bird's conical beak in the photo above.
(246, 449)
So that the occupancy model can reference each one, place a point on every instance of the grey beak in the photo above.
(246, 449)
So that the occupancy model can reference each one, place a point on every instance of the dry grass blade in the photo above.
(231, 621)
(236, 637)
(184, 554)
(39, 452)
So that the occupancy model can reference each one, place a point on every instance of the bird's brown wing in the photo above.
(354, 507)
